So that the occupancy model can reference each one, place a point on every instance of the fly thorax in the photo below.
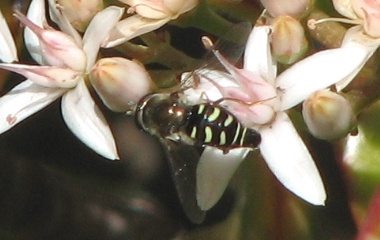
(160, 114)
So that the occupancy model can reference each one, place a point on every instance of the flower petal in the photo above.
(97, 31)
(132, 27)
(258, 57)
(355, 37)
(8, 51)
(57, 48)
(36, 14)
(214, 172)
(53, 77)
(24, 100)
(289, 159)
(86, 121)
(317, 72)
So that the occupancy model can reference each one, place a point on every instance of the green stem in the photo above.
(158, 51)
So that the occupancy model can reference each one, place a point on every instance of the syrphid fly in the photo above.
(181, 129)
(184, 128)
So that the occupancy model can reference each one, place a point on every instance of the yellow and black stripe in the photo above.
(211, 125)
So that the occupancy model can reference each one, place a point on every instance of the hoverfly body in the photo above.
(181, 129)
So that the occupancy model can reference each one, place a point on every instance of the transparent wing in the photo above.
(183, 160)
(231, 46)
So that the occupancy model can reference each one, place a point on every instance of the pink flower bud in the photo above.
(328, 115)
(293, 8)
(80, 12)
(288, 39)
(58, 49)
(120, 82)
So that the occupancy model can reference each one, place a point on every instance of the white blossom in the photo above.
(65, 60)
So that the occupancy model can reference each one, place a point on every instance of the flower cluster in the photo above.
(69, 62)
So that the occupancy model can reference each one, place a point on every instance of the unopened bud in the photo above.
(328, 115)
(289, 43)
(293, 8)
(120, 82)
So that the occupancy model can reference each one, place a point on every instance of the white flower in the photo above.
(65, 61)
(150, 15)
(363, 38)
(265, 100)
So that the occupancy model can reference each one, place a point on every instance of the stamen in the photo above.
(132, 9)
(311, 23)
(225, 99)
(11, 119)
(207, 43)
(27, 23)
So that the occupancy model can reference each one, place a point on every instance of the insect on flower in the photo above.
(183, 129)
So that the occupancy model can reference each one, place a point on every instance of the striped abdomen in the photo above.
(215, 126)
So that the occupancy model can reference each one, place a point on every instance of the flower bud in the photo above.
(120, 82)
(328, 115)
(293, 8)
(288, 40)
(80, 12)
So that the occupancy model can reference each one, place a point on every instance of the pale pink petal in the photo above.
(250, 116)
(85, 120)
(257, 55)
(132, 27)
(317, 72)
(47, 45)
(53, 77)
(288, 158)
(97, 31)
(57, 48)
(8, 51)
(36, 14)
(250, 82)
(24, 100)
(214, 172)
